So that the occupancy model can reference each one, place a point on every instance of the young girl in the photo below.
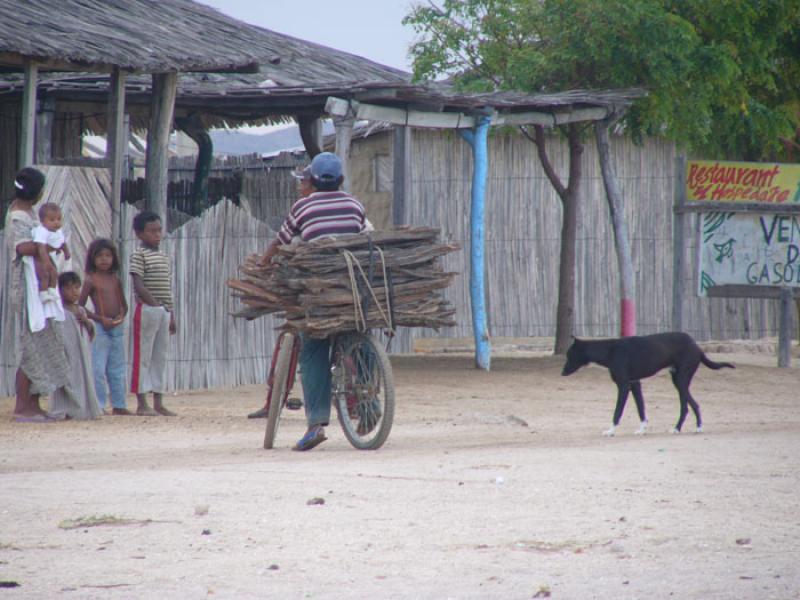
(104, 287)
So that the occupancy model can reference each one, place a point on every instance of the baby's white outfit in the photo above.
(47, 303)
(53, 239)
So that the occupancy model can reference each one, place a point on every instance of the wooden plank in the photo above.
(26, 142)
(750, 291)
(739, 207)
(344, 135)
(44, 131)
(678, 263)
(786, 328)
(115, 149)
(401, 163)
(53, 63)
(398, 116)
(82, 161)
(457, 120)
(551, 119)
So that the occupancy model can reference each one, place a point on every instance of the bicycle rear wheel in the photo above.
(280, 379)
(363, 390)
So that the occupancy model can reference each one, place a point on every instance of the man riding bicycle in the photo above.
(326, 211)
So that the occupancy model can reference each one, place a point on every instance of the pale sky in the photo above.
(370, 28)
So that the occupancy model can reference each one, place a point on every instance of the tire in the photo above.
(362, 389)
(278, 390)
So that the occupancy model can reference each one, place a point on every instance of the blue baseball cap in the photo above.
(326, 166)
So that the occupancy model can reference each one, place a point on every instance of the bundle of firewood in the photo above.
(380, 279)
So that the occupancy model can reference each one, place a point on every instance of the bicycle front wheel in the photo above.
(280, 379)
(363, 390)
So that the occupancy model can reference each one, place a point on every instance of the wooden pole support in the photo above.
(344, 135)
(786, 330)
(115, 148)
(627, 276)
(26, 138)
(477, 139)
(678, 245)
(162, 106)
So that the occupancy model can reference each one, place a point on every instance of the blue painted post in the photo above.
(476, 138)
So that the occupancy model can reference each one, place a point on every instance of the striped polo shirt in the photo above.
(156, 272)
(323, 213)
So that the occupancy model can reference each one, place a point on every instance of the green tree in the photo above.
(722, 77)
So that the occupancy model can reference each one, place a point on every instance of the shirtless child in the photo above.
(104, 287)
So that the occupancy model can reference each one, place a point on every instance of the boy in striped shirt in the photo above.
(153, 317)
(326, 211)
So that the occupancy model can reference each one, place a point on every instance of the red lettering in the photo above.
(772, 173)
(701, 193)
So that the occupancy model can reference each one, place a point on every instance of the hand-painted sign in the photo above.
(720, 181)
(749, 249)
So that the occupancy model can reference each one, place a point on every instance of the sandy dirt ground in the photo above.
(492, 485)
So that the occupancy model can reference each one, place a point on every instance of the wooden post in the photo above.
(162, 106)
(44, 131)
(127, 166)
(477, 139)
(678, 243)
(627, 283)
(786, 329)
(117, 140)
(311, 133)
(26, 138)
(401, 161)
(344, 133)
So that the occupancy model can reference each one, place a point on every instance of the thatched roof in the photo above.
(287, 61)
(139, 35)
(296, 78)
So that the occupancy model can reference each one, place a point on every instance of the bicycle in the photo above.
(362, 387)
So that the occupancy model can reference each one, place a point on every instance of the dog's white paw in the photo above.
(674, 430)
(642, 429)
(610, 432)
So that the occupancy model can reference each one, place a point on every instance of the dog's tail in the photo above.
(715, 365)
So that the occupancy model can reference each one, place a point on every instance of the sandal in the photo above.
(313, 438)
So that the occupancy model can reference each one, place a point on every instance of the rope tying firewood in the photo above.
(360, 319)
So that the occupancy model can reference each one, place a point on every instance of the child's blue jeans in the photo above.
(315, 375)
(109, 365)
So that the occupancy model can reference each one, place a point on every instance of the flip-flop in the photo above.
(33, 419)
(261, 413)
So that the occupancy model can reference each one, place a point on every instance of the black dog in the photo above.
(630, 359)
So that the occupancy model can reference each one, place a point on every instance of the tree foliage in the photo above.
(723, 77)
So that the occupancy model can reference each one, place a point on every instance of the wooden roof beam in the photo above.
(595, 113)
(15, 62)
(12, 62)
(458, 120)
